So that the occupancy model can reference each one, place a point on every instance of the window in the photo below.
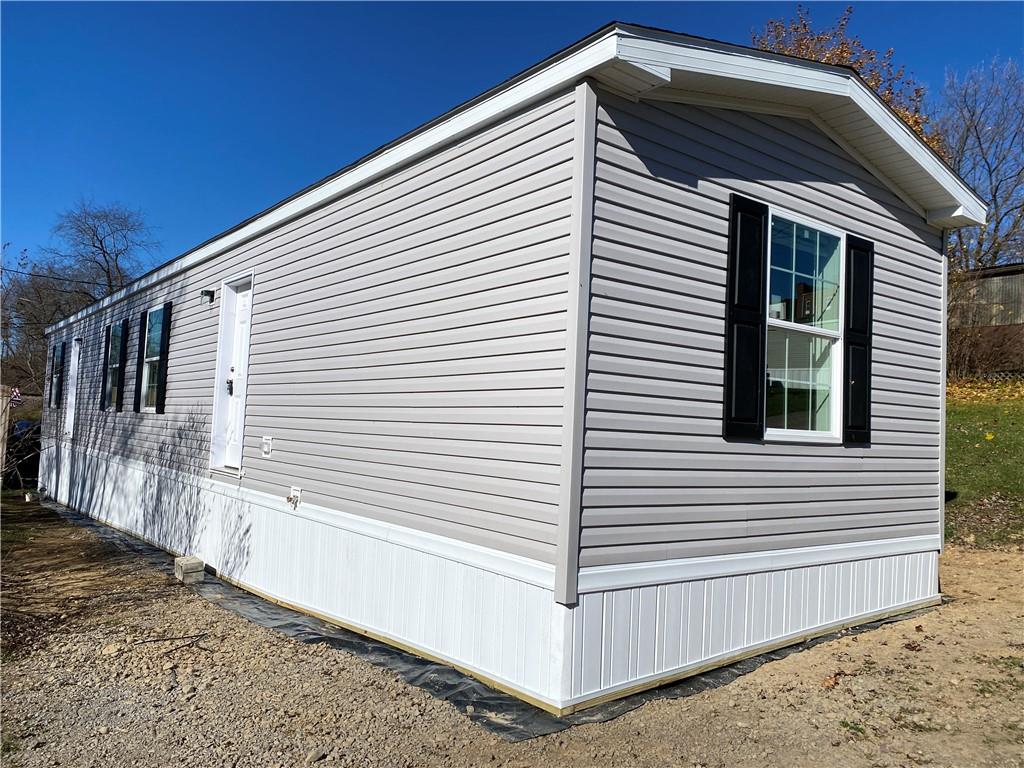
(804, 326)
(116, 349)
(57, 375)
(151, 357)
(151, 370)
(798, 329)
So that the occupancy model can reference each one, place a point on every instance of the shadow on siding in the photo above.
(172, 506)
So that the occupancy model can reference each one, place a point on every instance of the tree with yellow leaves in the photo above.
(834, 45)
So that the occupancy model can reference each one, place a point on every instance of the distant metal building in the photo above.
(624, 369)
(986, 320)
(993, 296)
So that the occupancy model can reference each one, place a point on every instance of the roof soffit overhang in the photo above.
(669, 66)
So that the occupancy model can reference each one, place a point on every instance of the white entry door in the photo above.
(71, 389)
(232, 370)
(64, 454)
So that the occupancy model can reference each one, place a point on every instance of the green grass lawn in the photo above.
(985, 464)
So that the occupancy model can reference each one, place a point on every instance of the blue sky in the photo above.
(202, 114)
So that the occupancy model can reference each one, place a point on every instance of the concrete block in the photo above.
(188, 570)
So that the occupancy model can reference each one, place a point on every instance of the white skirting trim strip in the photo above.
(492, 614)
(605, 577)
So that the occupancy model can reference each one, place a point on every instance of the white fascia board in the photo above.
(752, 66)
(544, 82)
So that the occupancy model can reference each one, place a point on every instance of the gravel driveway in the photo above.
(102, 666)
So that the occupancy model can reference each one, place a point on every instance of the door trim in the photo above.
(220, 405)
(70, 404)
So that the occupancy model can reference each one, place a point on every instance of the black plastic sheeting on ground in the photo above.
(498, 712)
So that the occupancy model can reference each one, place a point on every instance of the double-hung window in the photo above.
(151, 370)
(804, 329)
(57, 374)
(110, 396)
(115, 354)
(798, 328)
(151, 357)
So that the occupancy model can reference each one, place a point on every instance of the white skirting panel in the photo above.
(490, 613)
(625, 638)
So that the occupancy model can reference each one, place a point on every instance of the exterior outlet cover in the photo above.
(294, 496)
(268, 445)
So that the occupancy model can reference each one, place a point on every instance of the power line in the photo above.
(79, 291)
(53, 277)
(34, 323)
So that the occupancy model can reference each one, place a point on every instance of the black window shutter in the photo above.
(122, 364)
(106, 367)
(161, 378)
(860, 264)
(140, 361)
(745, 324)
(60, 374)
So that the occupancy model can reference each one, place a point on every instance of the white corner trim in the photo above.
(609, 577)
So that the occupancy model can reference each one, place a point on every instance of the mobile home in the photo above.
(624, 369)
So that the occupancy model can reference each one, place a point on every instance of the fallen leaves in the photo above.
(996, 516)
(983, 391)
(833, 680)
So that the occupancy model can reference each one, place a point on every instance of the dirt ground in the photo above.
(83, 686)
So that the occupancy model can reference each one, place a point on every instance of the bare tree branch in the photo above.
(983, 123)
(99, 249)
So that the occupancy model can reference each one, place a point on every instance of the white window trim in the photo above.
(143, 408)
(835, 435)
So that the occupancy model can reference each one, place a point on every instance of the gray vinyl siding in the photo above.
(659, 479)
(407, 351)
